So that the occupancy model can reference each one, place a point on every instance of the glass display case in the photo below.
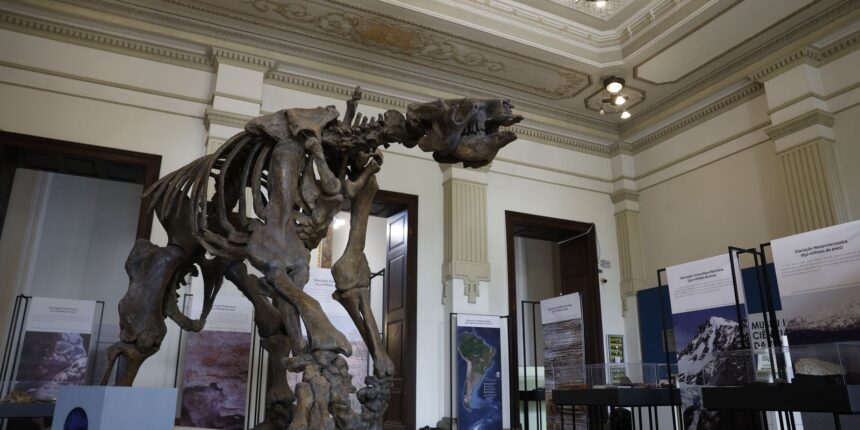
(826, 363)
(614, 375)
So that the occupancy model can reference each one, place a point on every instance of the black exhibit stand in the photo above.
(12, 355)
(535, 393)
(834, 399)
(634, 398)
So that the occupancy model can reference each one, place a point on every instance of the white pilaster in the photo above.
(465, 269)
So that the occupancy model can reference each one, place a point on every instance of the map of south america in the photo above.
(479, 358)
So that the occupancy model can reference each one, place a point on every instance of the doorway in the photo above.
(392, 253)
(572, 245)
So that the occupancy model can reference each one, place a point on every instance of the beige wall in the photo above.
(738, 200)
(846, 130)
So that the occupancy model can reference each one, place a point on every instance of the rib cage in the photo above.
(220, 230)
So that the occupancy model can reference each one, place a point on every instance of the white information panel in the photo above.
(229, 313)
(467, 320)
(703, 284)
(60, 315)
(561, 308)
(818, 260)
(320, 286)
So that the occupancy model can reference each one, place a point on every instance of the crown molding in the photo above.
(242, 59)
(286, 53)
(228, 119)
(808, 55)
(809, 119)
(689, 121)
(103, 41)
(826, 17)
(646, 19)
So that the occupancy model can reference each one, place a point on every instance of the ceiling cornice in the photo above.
(731, 72)
(808, 55)
(229, 56)
(286, 52)
(718, 107)
(627, 32)
(104, 41)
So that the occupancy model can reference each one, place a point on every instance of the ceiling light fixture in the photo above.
(612, 99)
(600, 3)
(613, 84)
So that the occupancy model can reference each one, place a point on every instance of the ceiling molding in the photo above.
(636, 26)
(242, 59)
(729, 71)
(690, 32)
(809, 119)
(284, 51)
(808, 55)
(414, 43)
(689, 121)
(104, 41)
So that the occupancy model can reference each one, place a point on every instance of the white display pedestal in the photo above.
(113, 408)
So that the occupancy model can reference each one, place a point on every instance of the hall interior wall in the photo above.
(81, 94)
(722, 182)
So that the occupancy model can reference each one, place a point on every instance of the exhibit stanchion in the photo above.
(451, 317)
(98, 339)
(12, 348)
(781, 365)
(13, 343)
(179, 342)
(733, 262)
(537, 399)
(666, 352)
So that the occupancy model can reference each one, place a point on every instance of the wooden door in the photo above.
(7, 174)
(578, 267)
(395, 299)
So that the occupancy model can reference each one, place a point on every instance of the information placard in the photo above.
(819, 283)
(564, 351)
(479, 372)
(706, 324)
(55, 349)
(215, 375)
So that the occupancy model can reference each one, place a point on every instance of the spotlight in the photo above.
(600, 3)
(625, 115)
(602, 112)
(613, 84)
(619, 100)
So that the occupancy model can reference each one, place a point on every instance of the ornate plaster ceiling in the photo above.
(548, 56)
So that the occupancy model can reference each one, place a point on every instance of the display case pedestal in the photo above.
(111, 408)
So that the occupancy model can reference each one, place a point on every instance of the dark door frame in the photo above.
(60, 156)
(518, 224)
(409, 203)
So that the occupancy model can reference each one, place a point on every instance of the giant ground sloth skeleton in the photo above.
(298, 166)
